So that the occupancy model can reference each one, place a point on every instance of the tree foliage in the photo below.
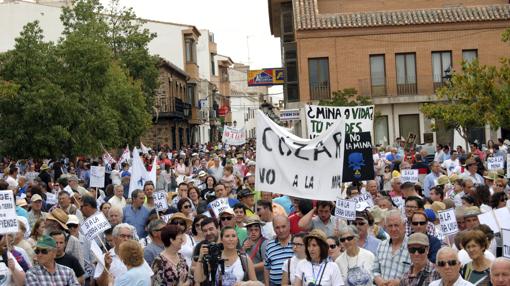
(346, 97)
(80, 93)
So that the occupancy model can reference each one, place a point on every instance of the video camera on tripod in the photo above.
(212, 260)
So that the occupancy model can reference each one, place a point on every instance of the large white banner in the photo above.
(233, 136)
(357, 119)
(305, 168)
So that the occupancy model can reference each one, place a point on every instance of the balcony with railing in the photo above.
(407, 89)
(171, 107)
(320, 90)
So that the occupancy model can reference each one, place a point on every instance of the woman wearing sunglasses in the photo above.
(184, 223)
(355, 263)
(478, 270)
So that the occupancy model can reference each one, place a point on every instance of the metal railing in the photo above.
(320, 91)
(407, 89)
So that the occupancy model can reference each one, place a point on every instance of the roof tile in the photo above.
(307, 16)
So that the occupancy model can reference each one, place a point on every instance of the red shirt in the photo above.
(294, 220)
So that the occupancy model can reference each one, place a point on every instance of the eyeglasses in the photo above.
(332, 246)
(298, 244)
(411, 207)
(449, 262)
(41, 251)
(414, 250)
(349, 238)
(159, 229)
(186, 206)
(72, 225)
(225, 218)
(179, 222)
(415, 223)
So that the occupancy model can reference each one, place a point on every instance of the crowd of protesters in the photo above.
(263, 238)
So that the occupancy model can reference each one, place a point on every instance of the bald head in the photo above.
(281, 226)
(500, 272)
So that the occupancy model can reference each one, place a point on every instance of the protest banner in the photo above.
(358, 158)
(448, 221)
(505, 235)
(233, 136)
(94, 225)
(495, 163)
(345, 209)
(97, 174)
(304, 168)
(502, 216)
(8, 217)
(409, 175)
(356, 118)
(96, 250)
(398, 201)
(51, 198)
(160, 201)
(219, 205)
(364, 197)
(489, 219)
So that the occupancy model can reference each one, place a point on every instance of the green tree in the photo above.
(469, 100)
(71, 97)
(346, 97)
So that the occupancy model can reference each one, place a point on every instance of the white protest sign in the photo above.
(409, 175)
(489, 219)
(398, 201)
(219, 205)
(503, 217)
(233, 136)
(304, 168)
(96, 250)
(495, 163)
(505, 235)
(448, 221)
(166, 218)
(355, 118)
(94, 225)
(97, 174)
(345, 209)
(508, 165)
(51, 198)
(160, 201)
(69, 190)
(8, 217)
(364, 197)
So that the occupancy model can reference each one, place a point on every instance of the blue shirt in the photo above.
(136, 276)
(371, 244)
(274, 256)
(429, 182)
(21, 212)
(136, 218)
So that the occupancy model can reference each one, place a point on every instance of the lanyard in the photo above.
(318, 273)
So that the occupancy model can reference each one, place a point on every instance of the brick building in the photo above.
(397, 52)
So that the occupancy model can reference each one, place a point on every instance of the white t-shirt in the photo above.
(356, 270)
(187, 248)
(233, 273)
(324, 274)
(268, 231)
(5, 273)
(294, 261)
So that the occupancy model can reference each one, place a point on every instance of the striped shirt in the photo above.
(389, 265)
(274, 256)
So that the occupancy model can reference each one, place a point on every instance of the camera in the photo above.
(214, 254)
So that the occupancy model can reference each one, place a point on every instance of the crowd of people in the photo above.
(262, 238)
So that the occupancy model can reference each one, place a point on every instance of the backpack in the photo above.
(244, 264)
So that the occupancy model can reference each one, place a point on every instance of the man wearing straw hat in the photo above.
(57, 220)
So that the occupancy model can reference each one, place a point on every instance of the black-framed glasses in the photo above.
(41, 251)
(415, 250)
(186, 206)
(332, 246)
(179, 222)
(449, 262)
(225, 218)
(72, 225)
(411, 207)
(348, 238)
(298, 244)
(415, 223)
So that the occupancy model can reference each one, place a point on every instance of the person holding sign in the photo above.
(10, 269)
(319, 218)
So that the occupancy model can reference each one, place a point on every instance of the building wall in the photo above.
(349, 56)
(346, 6)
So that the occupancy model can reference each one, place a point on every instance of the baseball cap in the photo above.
(418, 238)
